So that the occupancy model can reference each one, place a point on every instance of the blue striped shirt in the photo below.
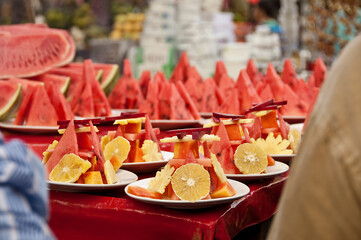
(23, 193)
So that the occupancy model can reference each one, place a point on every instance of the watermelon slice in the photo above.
(59, 102)
(244, 84)
(195, 90)
(253, 72)
(289, 75)
(255, 131)
(311, 81)
(193, 73)
(226, 85)
(284, 127)
(10, 98)
(127, 69)
(315, 91)
(231, 104)
(61, 82)
(149, 132)
(304, 92)
(25, 105)
(117, 98)
(159, 80)
(25, 83)
(209, 98)
(180, 70)
(97, 148)
(320, 71)
(275, 82)
(144, 81)
(67, 144)
(188, 100)
(220, 70)
(295, 106)
(151, 103)
(85, 104)
(223, 150)
(266, 93)
(41, 111)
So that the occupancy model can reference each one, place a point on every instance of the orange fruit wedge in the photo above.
(119, 148)
(69, 169)
(250, 159)
(191, 182)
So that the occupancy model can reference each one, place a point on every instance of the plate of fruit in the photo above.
(154, 163)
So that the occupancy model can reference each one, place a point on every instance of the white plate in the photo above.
(285, 158)
(124, 178)
(298, 126)
(8, 125)
(163, 124)
(141, 167)
(272, 171)
(240, 188)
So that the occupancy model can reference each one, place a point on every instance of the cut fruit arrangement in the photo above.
(79, 158)
(190, 175)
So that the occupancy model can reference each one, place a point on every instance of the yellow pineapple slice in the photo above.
(186, 138)
(150, 151)
(261, 113)
(79, 130)
(273, 145)
(161, 179)
(110, 173)
(209, 137)
(129, 120)
(229, 122)
(69, 169)
(47, 153)
(119, 148)
(191, 182)
(294, 137)
(218, 169)
(250, 159)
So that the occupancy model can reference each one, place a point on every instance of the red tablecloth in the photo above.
(113, 215)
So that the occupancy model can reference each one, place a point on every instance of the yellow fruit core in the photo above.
(191, 182)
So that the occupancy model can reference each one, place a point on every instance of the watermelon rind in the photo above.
(99, 75)
(65, 87)
(110, 80)
(12, 104)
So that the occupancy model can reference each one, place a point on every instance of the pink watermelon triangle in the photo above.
(220, 70)
(41, 111)
(134, 97)
(85, 105)
(178, 108)
(177, 75)
(266, 93)
(231, 104)
(244, 84)
(188, 100)
(209, 98)
(127, 69)
(192, 73)
(315, 92)
(144, 81)
(253, 72)
(284, 127)
(27, 97)
(275, 82)
(320, 71)
(195, 90)
(295, 106)
(97, 149)
(304, 92)
(151, 104)
(255, 131)
(68, 143)
(59, 102)
(289, 75)
(190, 157)
(117, 98)
(311, 81)
(159, 81)
(226, 85)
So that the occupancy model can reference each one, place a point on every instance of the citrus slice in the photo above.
(250, 159)
(273, 145)
(218, 168)
(69, 168)
(110, 173)
(150, 151)
(294, 137)
(119, 147)
(161, 180)
(191, 182)
(47, 153)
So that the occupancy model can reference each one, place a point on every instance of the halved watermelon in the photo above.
(188, 100)
(223, 150)
(59, 102)
(289, 75)
(220, 70)
(67, 144)
(144, 81)
(209, 98)
(42, 111)
(10, 97)
(275, 82)
(61, 82)
(151, 103)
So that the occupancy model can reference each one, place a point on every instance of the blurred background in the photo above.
(153, 33)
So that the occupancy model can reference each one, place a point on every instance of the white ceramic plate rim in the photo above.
(166, 157)
(270, 172)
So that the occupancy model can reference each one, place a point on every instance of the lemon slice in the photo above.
(161, 180)
(218, 169)
(150, 151)
(46, 153)
(191, 182)
(110, 173)
(250, 159)
(69, 169)
(273, 145)
(294, 137)
(119, 147)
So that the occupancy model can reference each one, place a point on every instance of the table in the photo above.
(113, 215)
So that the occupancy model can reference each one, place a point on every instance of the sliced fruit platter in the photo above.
(190, 179)
(81, 158)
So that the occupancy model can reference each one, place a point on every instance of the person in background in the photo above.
(266, 12)
(23, 194)
(322, 196)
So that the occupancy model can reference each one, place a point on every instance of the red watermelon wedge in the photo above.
(315, 92)
(61, 82)
(255, 131)
(244, 84)
(223, 150)
(188, 100)
(284, 127)
(231, 103)
(85, 104)
(195, 90)
(179, 72)
(266, 93)
(10, 98)
(144, 81)
(193, 73)
(295, 106)
(253, 72)
(220, 70)
(59, 102)
(27, 97)
(97, 149)
(151, 103)
(311, 81)
(320, 71)
(226, 85)
(67, 144)
(41, 111)
(117, 97)
(275, 82)
(127, 69)
(209, 98)
(289, 75)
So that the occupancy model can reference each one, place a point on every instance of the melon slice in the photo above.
(85, 104)
(253, 72)
(23, 110)
(226, 85)
(41, 111)
(144, 81)
(220, 70)
(193, 73)
(295, 106)
(195, 91)
(320, 71)
(25, 83)
(151, 103)
(67, 144)
(180, 70)
(188, 100)
(59, 102)
(117, 97)
(61, 82)
(231, 104)
(275, 82)
(10, 98)
(244, 84)
(209, 98)
(289, 74)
